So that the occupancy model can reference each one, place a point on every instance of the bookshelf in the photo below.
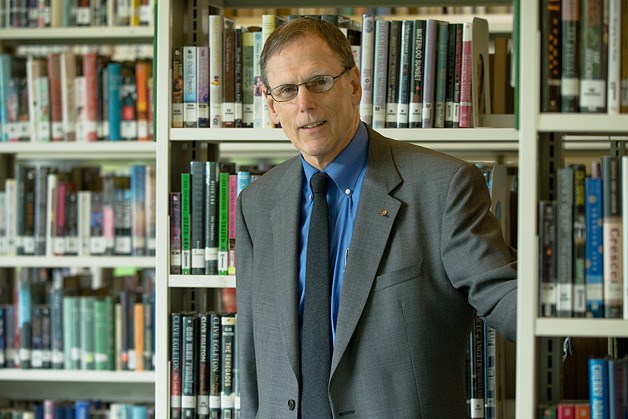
(64, 384)
(578, 136)
(498, 140)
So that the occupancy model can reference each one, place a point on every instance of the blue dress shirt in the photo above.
(343, 195)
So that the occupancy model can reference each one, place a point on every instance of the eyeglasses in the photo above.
(317, 84)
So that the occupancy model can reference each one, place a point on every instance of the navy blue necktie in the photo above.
(316, 346)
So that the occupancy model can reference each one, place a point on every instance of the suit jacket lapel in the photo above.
(376, 214)
(285, 242)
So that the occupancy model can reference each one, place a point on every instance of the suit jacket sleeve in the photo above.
(470, 232)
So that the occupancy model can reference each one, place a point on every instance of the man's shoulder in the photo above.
(273, 178)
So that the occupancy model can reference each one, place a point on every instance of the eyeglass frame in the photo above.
(269, 92)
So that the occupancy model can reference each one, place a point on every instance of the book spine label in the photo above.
(186, 241)
(594, 274)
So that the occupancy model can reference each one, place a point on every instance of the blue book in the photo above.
(594, 274)
(5, 86)
(617, 386)
(598, 387)
(81, 409)
(244, 178)
(114, 83)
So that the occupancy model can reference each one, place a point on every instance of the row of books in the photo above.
(60, 13)
(424, 10)
(582, 254)
(414, 73)
(67, 96)
(202, 218)
(203, 365)
(424, 73)
(584, 61)
(60, 409)
(60, 320)
(83, 211)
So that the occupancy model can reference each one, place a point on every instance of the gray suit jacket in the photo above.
(426, 254)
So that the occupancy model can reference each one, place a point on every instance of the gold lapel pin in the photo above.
(383, 212)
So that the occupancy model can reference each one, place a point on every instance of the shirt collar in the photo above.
(346, 167)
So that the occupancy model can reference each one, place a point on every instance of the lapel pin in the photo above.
(383, 212)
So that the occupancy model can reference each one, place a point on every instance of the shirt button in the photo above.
(291, 404)
(347, 191)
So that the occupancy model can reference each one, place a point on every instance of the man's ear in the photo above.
(274, 116)
(356, 94)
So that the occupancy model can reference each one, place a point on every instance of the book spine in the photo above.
(202, 85)
(215, 366)
(128, 97)
(624, 237)
(204, 351)
(405, 73)
(592, 57)
(216, 25)
(441, 74)
(594, 274)
(84, 222)
(103, 331)
(570, 46)
(623, 108)
(238, 76)
(114, 84)
(614, 56)
(258, 98)
(40, 222)
(90, 71)
(56, 321)
(366, 67)
(450, 83)
(598, 387)
(189, 373)
(227, 400)
(617, 386)
(223, 223)
(233, 196)
(139, 341)
(613, 259)
(87, 332)
(550, 55)
(579, 235)
(416, 82)
(186, 239)
(269, 24)
(476, 351)
(56, 106)
(197, 216)
(429, 74)
(68, 73)
(564, 242)
(3, 337)
(248, 78)
(190, 103)
(108, 203)
(211, 218)
(175, 233)
(228, 92)
(138, 216)
(176, 336)
(466, 109)
(547, 258)
(391, 73)
(143, 72)
(52, 183)
(71, 332)
(177, 87)
(37, 344)
(381, 65)
(150, 209)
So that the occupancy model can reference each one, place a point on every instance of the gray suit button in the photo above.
(291, 404)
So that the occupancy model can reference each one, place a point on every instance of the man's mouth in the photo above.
(313, 124)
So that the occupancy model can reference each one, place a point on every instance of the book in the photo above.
(143, 71)
(270, 22)
(227, 396)
(429, 73)
(598, 387)
(614, 56)
(204, 362)
(405, 73)
(86, 307)
(175, 233)
(216, 81)
(197, 216)
(138, 209)
(547, 258)
(190, 103)
(177, 87)
(223, 223)
(56, 105)
(440, 80)
(592, 97)
(202, 85)
(612, 233)
(228, 99)
(186, 240)
(579, 235)
(383, 49)
(416, 81)
(570, 55)
(392, 72)
(594, 274)
(189, 364)
(216, 370)
(564, 242)
(550, 55)
(176, 351)
(366, 67)
(476, 369)
(211, 217)
(480, 71)
(247, 78)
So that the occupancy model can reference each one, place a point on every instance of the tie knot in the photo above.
(319, 183)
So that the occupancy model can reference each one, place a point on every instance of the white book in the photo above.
(10, 189)
(624, 227)
(51, 211)
(614, 57)
(190, 105)
(382, 29)
(216, 76)
(258, 96)
(269, 24)
(84, 222)
(366, 69)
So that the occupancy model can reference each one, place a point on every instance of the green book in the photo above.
(103, 334)
(223, 223)
(186, 241)
(71, 332)
(87, 332)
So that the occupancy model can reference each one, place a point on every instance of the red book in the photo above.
(56, 104)
(90, 72)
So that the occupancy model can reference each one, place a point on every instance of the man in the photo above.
(414, 253)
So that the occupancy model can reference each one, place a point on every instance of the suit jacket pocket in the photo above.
(400, 275)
